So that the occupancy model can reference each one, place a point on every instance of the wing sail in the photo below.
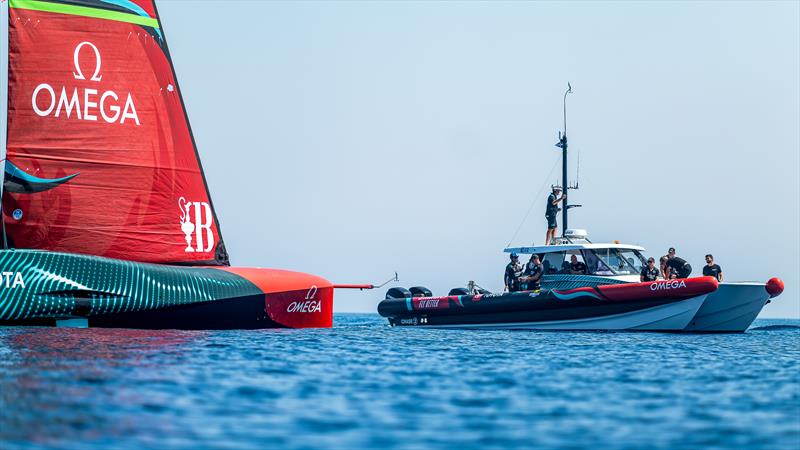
(100, 155)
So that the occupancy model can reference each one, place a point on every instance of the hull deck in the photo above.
(49, 288)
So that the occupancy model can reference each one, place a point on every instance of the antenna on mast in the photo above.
(562, 144)
(569, 91)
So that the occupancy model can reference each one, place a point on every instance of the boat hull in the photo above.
(633, 307)
(731, 309)
(64, 289)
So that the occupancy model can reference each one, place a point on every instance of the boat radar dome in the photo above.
(576, 233)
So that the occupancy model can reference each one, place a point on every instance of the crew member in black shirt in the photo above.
(711, 269)
(533, 274)
(678, 264)
(649, 272)
(576, 267)
(513, 272)
(550, 214)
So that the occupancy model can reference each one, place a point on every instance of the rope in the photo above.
(533, 203)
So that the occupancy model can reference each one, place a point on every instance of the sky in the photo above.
(354, 140)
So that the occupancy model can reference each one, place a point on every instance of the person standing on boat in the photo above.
(678, 265)
(550, 214)
(533, 274)
(711, 269)
(513, 272)
(649, 272)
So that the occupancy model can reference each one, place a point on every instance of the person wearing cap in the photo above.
(678, 266)
(711, 269)
(550, 213)
(533, 274)
(513, 272)
(649, 272)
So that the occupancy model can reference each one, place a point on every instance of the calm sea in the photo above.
(365, 385)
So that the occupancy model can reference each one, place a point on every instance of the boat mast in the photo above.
(562, 143)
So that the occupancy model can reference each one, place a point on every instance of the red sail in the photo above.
(101, 158)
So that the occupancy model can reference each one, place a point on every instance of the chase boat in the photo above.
(608, 296)
(732, 307)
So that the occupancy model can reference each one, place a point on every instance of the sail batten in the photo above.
(100, 155)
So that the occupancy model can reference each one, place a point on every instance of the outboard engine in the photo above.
(420, 291)
(459, 291)
(398, 292)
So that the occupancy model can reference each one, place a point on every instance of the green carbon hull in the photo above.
(41, 285)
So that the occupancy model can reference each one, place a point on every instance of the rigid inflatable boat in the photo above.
(606, 294)
(732, 307)
(664, 305)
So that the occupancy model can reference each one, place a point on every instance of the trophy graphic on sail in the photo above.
(186, 224)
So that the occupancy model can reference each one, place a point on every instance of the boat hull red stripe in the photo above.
(292, 299)
(679, 288)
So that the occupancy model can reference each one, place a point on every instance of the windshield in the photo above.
(615, 261)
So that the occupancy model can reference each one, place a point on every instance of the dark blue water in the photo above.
(364, 385)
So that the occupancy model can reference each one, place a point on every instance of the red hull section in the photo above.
(674, 289)
(656, 290)
(292, 299)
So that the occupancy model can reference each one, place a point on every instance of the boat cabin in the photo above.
(621, 261)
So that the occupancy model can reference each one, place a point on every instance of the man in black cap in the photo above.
(711, 269)
(533, 274)
(513, 272)
(550, 213)
(678, 265)
(649, 272)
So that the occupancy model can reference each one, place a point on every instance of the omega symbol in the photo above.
(79, 75)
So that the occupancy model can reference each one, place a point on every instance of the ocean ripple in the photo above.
(366, 385)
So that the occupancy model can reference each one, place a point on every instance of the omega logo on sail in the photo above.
(107, 105)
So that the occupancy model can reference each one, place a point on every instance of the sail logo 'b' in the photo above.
(84, 103)
(200, 229)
